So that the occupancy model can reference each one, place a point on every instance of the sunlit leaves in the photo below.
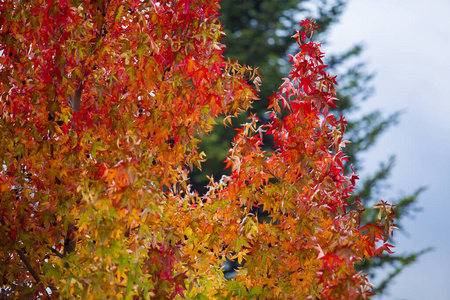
(103, 107)
(101, 103)
(302, 188)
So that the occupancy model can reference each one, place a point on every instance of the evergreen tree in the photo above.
(258, 33)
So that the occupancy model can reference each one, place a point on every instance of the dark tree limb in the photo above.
(33, 272)
(56, 252)
(75, 101)
(29, 266)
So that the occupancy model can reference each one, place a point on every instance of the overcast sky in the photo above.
(408, 46)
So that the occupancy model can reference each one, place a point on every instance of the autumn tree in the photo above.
(103, 105)
(258, 33)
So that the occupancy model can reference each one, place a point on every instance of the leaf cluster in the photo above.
(103, 106)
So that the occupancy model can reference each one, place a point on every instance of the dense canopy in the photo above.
(103, 105)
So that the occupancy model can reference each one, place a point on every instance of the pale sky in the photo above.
(408, 47)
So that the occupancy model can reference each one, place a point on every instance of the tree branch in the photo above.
(29, 266)
(33, 272)
(56, 252)
(76, 99)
